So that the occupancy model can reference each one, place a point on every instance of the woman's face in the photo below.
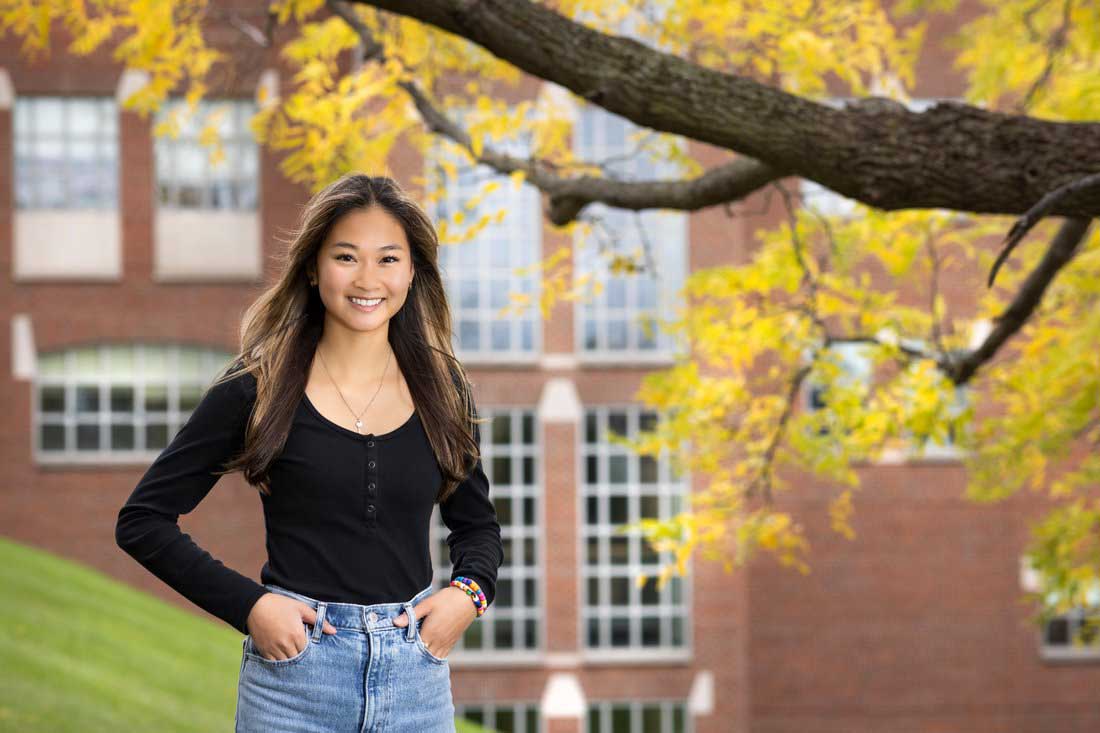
(365, 256)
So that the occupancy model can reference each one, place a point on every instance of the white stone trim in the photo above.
(1030, 578)
(129, 83)
(269, 82)
(558, 360)
(23, 361)
(7, 92)
(559, 402)
(563, 660)
(701, 697)
(563, 697)
(67, 244)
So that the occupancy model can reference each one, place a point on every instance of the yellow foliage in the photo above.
(724, 417)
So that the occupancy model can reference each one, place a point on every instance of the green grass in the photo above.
(83, 652)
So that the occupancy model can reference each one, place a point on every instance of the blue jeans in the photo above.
(369, 677)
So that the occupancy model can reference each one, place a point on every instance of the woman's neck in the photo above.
(355, 358)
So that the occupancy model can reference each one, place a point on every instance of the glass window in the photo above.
(185, 177)
(852, 359)
(1074, 634)
(66, 152)
(480, 273)
(509, 456)
(503, 717)
(622, 319)
(620, 487)
(113, 401)
(638, 716)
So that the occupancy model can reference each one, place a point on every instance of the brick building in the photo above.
(128, 261)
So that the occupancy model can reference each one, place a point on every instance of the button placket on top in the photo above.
(372, 481)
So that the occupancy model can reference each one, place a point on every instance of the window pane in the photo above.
(613, 560)
(52, 399)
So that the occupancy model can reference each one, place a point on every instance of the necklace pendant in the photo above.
(359, 424)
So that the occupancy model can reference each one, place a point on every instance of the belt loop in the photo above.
(319, 627)
(410, 629)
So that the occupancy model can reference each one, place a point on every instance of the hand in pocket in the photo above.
(275, 624)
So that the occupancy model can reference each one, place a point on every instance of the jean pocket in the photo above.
(251, 652)
(424, 649)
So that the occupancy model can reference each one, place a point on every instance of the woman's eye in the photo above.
(342, 255)
(390, 257)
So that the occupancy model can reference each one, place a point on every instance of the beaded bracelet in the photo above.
(473, 590)
(479, 606)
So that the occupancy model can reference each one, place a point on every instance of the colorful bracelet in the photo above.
(479, 606)
(473, 590)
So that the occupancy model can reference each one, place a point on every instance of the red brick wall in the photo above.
(914, 626)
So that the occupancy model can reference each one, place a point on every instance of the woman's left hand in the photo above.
(446, 615)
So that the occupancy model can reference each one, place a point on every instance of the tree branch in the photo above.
(1061, 251)
(952, 156)
(569, 196)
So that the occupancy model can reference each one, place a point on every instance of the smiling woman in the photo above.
(347, 409)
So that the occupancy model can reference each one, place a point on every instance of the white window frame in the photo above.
(667, 707)
(665, 233)
(103, 139)
(517, 535)
(673, 495)
(63, 370)
(521, 710)
(1031, 580)
(517, 240)
(238, 173)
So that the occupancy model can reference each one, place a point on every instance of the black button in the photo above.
(370, 443)
(370, 507)
(371, 464)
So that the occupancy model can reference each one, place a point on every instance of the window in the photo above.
(112, 402)
(503, 718)
(66, 152)
(480, 273)
(620, 486)
(621, 321)
(637, 716)
(853, 360)
(513, 622)
(185, 177)
(929, 446)
(1074, 634)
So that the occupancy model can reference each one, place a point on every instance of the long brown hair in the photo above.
(281, 329)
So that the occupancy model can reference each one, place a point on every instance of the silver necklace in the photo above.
(358, 422)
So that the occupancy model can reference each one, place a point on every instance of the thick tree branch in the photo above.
(952, 156)
(568, 196)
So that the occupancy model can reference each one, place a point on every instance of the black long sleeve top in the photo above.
(347, 519)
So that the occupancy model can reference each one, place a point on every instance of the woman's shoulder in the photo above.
(235, 384)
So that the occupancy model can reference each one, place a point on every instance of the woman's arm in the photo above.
(174, 484)
(475, 544)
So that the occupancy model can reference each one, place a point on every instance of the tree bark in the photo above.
(952, 156)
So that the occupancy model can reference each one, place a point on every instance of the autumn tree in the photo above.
(787, 91)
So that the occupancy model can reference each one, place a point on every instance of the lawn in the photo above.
(83, 652)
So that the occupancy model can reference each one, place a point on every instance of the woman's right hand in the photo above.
(275, 625)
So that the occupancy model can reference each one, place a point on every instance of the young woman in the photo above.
(348, 411)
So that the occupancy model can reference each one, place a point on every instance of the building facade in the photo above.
(128, 260)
